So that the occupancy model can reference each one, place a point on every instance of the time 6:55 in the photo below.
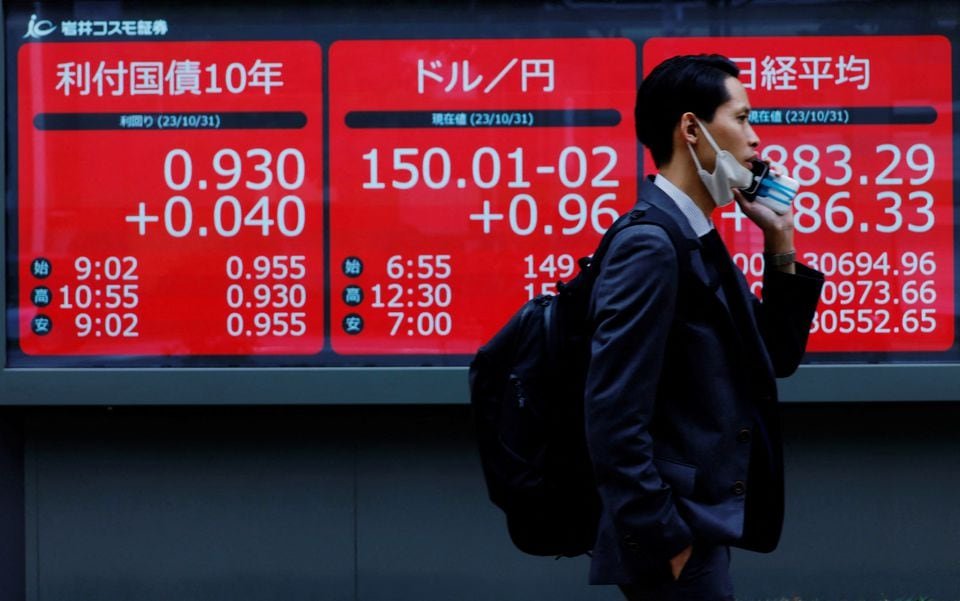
(422, 267)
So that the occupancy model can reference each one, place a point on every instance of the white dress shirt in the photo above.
(698, 221)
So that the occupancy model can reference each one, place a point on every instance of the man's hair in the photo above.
(692, 83)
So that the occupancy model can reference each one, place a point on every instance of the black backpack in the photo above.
(526, 391)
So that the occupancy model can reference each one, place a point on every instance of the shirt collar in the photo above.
(698, 221)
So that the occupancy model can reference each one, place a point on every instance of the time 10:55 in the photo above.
(112, 296)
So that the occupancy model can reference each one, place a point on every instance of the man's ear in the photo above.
(689, 128)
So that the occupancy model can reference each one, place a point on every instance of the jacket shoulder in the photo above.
(642, 242)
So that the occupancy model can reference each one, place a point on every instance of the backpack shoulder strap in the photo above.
(656, 216)
(651, 215)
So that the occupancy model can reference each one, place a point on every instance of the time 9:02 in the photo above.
(110, 268)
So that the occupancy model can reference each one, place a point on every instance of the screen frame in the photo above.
(404, 385)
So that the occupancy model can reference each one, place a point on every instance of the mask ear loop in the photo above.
(706, 134)
(710, 140)
(695, 159)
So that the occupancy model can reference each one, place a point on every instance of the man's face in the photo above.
(731, 129)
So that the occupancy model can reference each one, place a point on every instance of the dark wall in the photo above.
(11, 507)
(382, 503)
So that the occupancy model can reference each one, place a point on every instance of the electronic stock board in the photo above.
(329, 192)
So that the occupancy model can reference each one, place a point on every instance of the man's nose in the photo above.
(752, 137)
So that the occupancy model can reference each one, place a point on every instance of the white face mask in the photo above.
(727, 174)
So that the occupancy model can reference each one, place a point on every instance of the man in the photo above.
(681, 394)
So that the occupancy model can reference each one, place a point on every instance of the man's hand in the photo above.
(677, 563)
(777, 229)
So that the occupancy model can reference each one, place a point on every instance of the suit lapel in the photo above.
(750, 331)
(746, 333)
(707, 275)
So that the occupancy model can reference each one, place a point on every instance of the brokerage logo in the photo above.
(38, 29)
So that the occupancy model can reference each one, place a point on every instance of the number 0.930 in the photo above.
(260, 171)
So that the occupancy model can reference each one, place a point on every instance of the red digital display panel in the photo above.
(865, 125)
(467, 176)
(170, 198)
(170, 195)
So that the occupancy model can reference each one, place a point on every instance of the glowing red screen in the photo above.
(466, 176)
(868, 136)
(170, 198)
(182, 198)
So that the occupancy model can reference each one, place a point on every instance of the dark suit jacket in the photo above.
(681, 397)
